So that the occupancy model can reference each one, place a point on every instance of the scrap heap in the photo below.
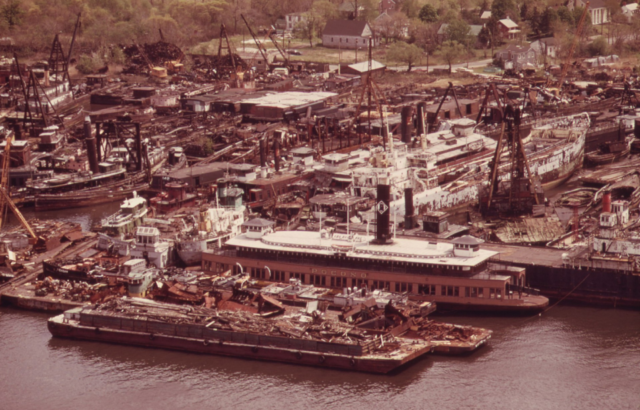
(155, 53)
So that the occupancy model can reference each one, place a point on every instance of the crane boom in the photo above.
(5, 198)
(264, 55)
(565, 66)
(4, 182)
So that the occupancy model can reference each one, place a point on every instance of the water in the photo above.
(570, 358)
(86, 216)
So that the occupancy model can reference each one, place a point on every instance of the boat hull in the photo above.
(59, 327)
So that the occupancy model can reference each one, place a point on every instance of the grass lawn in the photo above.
(318, 53)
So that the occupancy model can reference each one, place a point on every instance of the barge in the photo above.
(290, 339)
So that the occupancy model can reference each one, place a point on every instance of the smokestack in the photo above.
(409, 220)
(406, 124)
(606, 202)
(91, 146)
(382, 214)
(263, 153)
(138, 147)
(422, 109)
(276, 152)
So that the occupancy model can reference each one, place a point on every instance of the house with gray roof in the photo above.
(348, 34)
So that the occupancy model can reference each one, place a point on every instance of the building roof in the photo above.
(363, 67)
(361, 246)
(486, 15)
(630, 8)
(259, 223)
(467, 240)
(344, 27)
(508, 23)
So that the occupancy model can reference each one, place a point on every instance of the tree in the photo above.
(425, 36)
(547, 21)
(565, 15)
(391, 26)
(458, 31)
(598, 47)
(524, 11)
(501, 9)
(451, 51)
(484, 38)
(12, 13)
(409, 54)
(314, 20)
(428, 14)
(411, 8)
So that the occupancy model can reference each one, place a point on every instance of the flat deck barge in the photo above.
(290, 339)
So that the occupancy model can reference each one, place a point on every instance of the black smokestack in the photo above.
(91, 147)
(422, 109)
(263, 153)
(382, 214)
(406, 124)
(408, 209)
(276, 152)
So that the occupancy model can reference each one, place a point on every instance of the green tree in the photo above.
(12, 13)
(451, 51)
(428, 14)
(565, 15)
(501, 9)
(409, 54)
(411, 8)
(316, 18)
(598, 47)
(458, 31)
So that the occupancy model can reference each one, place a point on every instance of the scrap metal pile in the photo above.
(297, 326)
(65, 289)
(155, 53)
(436, 331)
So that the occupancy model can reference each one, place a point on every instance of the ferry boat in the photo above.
(127, 219)
(554, 149)
(455, 275)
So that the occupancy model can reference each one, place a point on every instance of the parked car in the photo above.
(294, 52)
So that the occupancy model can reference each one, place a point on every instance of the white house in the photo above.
(597, 9)
(629, 10)
(545, 46)
(292, 19)
(348, 34)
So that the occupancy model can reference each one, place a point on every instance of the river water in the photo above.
(569, 358)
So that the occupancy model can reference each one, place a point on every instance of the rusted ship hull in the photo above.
(83, 199)
(242, 349)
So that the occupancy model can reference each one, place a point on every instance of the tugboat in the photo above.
(127, 219)
(214, 226)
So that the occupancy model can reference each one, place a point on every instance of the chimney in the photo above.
(606, 202)
(422, 109)
(92, 153)
(409, 219)
(276, 152)
(406, 124)
(382, 211)
(263, 153)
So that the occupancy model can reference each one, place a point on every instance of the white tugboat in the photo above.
(212, 227)
(127, 219)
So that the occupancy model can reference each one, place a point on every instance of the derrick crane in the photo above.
(260, 49)
(565, 65)
(280, 50)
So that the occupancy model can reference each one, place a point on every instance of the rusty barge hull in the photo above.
(69, 329)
